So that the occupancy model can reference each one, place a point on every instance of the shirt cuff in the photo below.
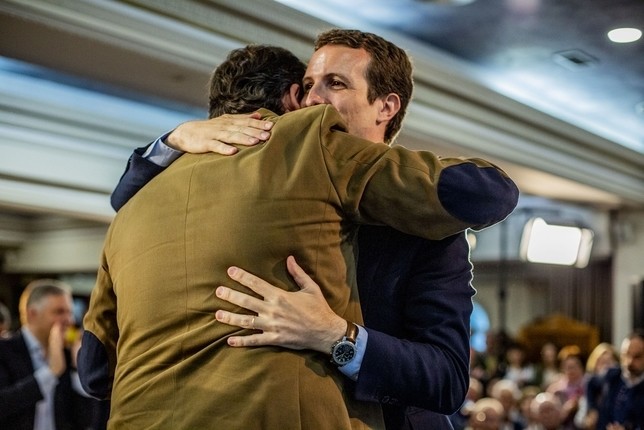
(161, 154)
(46, 380)
(352, 369)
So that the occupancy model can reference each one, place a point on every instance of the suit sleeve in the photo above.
(97, 355)
(425, 363)
(17, 396)
(416, 192)
(138, 172)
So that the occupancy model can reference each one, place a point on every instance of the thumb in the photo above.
(303, 280)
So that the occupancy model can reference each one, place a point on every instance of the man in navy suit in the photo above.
(38, 387)
(618, 396)
(413, 353)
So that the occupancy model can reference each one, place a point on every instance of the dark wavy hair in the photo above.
(389, 71)
(253, 77)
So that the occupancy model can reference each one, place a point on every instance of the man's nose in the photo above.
(69, 319)
(313, 98)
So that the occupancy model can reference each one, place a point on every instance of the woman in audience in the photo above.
(602, 358)
(570, 388)
(547, 370)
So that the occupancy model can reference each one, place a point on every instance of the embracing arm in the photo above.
(417, 353)
(418, 349)
(212, 135)
(296, 320)
(97, 355)
(138, 172)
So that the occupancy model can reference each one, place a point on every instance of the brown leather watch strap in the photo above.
(352, 332)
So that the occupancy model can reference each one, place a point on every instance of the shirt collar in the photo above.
(631, 382)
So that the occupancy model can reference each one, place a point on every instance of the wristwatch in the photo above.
(343, 351)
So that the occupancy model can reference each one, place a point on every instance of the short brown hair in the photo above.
(254, 77)
(389, 70)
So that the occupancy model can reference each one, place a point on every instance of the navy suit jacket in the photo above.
(416, 301)
(415, 296)
(616, 402)
(19, 391)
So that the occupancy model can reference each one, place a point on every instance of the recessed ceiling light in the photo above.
(624, 35)
(574, 59)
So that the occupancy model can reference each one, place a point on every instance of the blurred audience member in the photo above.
(507, 392)
(547, 371)
(547, 412)
(474, 392)
(528, 394)
(486, 414)
(621, 403)
(602, 358)
(487, 366)
(570, 387)
(516, 368)
(5, 321)
(39, 389)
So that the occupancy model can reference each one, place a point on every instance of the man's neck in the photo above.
(35, 336)
(631, 380)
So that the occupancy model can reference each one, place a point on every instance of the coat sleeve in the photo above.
(19, 391)
(138, 172)
(419, 355)
(416, 192)
(97, 355)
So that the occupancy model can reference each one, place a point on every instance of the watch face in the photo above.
(344, 353)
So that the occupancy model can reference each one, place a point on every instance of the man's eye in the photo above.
(335, 83)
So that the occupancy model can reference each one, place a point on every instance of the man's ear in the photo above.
(390, 107)
(291, 99)
(32, 312)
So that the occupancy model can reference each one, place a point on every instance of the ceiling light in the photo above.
(624, 35)
(555, 244)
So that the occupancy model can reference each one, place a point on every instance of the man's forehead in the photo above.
(336, 59)
(58, 300)
(633, 345)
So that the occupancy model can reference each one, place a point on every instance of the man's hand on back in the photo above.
(291, 319)
(219, 134)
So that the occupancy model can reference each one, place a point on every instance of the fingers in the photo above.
(249, 120)
(243, 129)
(299, 275)
(251, 322)
(240, 299)
(251, 281)
(250, 340)
(57, 336)
(222, 148)
(55, 356)
(219, 133)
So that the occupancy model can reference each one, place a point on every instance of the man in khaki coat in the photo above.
(303, 193)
